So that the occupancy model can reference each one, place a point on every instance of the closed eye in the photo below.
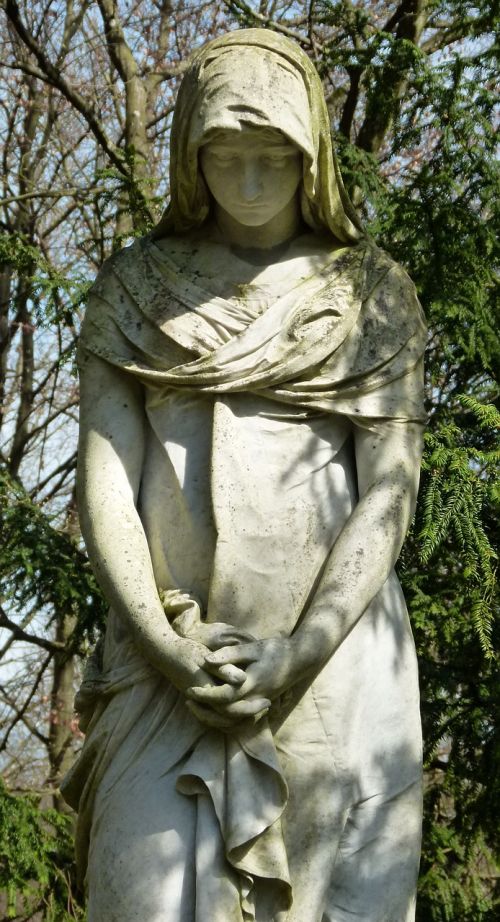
(222, 158)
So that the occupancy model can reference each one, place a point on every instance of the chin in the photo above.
(248, 220)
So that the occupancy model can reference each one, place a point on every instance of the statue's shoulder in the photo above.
(388, 283)
(177, 249)
(375, 259)
(134, 265)
(129, 257)
(380, 262)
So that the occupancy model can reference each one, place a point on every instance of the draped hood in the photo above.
(259, 78)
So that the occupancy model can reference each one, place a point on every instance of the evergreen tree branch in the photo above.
(388, 87)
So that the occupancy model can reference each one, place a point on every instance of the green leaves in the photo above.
(443, 891)
(431, 199)
(56, 295)
(457, 488)
(17, 252)
(36, 860)
(42, 568)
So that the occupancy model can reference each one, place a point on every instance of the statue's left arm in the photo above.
(388, 466)
(388, 463)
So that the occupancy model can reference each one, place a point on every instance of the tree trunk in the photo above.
(61, 729)
(391, 85)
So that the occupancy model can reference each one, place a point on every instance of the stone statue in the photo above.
(251, 427)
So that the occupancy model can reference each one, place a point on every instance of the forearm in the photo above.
(357, 568)
(110, 468)
(120, 558)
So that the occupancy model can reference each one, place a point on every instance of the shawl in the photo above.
(347, 340)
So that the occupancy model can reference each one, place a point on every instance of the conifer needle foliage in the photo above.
(42, 568)
(36, 860)
(437, 213)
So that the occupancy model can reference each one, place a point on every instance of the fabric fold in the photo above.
(240, 773)
(248, 794)
(339, 342)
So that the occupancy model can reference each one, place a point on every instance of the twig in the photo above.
(53, 646)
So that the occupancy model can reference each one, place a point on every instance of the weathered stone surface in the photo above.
(250, 441)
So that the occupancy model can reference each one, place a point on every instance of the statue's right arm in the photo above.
(110, 459)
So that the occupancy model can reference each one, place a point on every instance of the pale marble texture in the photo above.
(250, 441)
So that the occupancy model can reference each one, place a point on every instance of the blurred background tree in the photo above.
(85, 111)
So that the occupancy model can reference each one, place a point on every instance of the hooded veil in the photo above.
(259, 78)
(341, 342)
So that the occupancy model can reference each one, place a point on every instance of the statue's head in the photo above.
(254, 89)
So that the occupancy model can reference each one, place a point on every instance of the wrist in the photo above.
(308, 652)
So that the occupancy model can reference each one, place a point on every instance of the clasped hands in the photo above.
(238, 679)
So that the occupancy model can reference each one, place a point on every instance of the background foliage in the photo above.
(85, 112)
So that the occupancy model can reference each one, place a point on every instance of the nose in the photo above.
(250, 180)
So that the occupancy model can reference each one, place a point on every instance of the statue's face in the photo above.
(253, 174)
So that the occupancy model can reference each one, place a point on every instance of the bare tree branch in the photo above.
(12, 704)
(51, 74)
(20, 634)
(299, 37)
(22, 711)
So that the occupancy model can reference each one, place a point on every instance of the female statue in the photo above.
(251, 384)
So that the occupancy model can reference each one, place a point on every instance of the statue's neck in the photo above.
(262, 256)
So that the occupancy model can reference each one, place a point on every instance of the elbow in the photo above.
(400, 514)
(392, 508)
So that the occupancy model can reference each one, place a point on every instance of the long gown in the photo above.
(313, 814)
